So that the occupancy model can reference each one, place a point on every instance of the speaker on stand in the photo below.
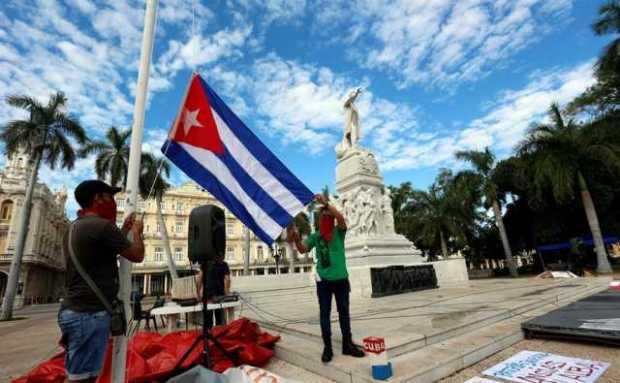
(206, 240)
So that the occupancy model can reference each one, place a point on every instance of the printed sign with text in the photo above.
(544, 367)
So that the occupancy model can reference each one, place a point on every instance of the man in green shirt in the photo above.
(332, 275)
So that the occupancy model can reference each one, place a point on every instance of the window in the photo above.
(259, 253)
(230, 253)
(159, 254)
(178, 227)
(6, 210)
(178, 253)
(179, 207)
(147, 228)
(120, 203)
(158, 228)
(230, 228)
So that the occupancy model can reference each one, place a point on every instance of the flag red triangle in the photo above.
(195, 124)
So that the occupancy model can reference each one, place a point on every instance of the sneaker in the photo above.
(327, 356)
(353, 350)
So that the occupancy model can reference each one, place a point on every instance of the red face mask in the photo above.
(326, 227)
(105, 208)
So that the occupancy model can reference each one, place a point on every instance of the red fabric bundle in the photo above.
(151, 356)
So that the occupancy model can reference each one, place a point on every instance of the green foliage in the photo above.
(445, 209)
(48, 131)
(604, 95)
(112, 155)
(153, 173)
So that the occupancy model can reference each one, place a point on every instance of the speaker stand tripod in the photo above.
(206, 362)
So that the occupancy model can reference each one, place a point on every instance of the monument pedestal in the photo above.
(380, 261)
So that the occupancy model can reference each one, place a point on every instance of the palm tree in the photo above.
(483, 163)
(559, 152)
(45, 135)
(434, 214)
(401, 205)
(112, 155)
(152, 183)
(604, 95)
(609, 22)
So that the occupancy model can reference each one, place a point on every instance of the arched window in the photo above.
(6, 210)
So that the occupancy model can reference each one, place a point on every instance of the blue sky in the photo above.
(438, 75)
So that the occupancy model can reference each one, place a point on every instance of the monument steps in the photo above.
(419, 341)
(433, 356)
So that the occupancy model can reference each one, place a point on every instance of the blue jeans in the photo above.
(340, 290)
(85, 338)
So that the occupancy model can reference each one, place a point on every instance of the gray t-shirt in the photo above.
(96, 244)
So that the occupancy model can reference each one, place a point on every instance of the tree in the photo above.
(604, 95)
(152, 182)
(402, 197)
(442, 213)
(560, 153)
(45, 136)
(483, 163)
(112, 155)
(609, 22)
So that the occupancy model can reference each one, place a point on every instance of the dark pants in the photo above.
(219, 317)
(340, 290)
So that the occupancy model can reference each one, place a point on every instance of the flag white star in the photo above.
(191, 119)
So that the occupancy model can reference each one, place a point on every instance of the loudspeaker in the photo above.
(207, 234)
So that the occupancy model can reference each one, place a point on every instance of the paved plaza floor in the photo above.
(448, 333)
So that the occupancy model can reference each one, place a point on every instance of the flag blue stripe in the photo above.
(260, 151)
(258, 194)
(206, 179)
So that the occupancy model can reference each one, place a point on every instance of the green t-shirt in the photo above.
(337, 268)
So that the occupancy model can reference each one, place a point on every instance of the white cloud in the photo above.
(85, 6)
(302, 105)
(439, 42)
(272, 11)
(508, 120)
(200, 50)
(503, 126)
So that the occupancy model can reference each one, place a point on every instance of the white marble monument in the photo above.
(366, 204)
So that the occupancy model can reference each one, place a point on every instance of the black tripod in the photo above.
(205, 267)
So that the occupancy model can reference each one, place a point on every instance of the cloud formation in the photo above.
(437, 43)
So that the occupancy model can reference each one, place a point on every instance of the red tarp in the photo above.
(151, 356)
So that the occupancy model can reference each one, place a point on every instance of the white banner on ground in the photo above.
(480, 380)
(241, 374)
(544, 367)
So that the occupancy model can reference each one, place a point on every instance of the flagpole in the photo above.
(119, 356)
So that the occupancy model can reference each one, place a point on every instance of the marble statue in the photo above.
(386, 212)
(352, 132)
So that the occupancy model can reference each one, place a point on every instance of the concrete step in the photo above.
(307, 355)
(419, 341)
(449, 356)
(446, 354)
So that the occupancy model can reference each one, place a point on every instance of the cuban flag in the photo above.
(210, 144)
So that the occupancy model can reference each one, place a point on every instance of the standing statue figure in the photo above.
(352, 132)
(369, 219)
(387, 212)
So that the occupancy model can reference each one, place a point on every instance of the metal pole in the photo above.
(246, 256)
(119, 356)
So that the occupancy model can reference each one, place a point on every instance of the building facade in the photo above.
(41, 277)
(152, 277)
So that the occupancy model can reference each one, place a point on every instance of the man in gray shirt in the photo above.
(96, 243)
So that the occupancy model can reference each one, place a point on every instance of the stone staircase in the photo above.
(425, 358)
